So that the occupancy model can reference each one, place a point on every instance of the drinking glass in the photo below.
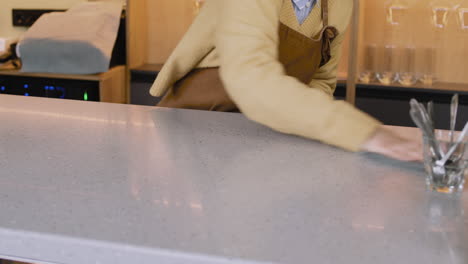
(451, 178)
(407, 75)
(368, 73)
(388, 66)
(427, 69)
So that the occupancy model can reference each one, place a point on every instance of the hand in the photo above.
(396, 143)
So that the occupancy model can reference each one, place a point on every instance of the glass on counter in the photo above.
(397, 34)
(427, 68)
(368, 72)
(407, 66)
(398, 59)
(450, 178)
(387, 73)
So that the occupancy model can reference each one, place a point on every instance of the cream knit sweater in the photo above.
(241, 37)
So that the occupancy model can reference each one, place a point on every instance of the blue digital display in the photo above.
(49, 87)
(63, 92)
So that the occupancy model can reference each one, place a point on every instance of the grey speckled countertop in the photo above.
(85, 182)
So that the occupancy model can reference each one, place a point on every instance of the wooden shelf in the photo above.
(148, 68)
(111, 83)
(442, 86)
(418, 31)
(82, 77)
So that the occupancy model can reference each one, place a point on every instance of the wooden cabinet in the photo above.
(111, 84)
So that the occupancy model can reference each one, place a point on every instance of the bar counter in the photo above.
(85, 182)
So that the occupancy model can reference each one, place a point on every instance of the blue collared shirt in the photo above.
(303, 9)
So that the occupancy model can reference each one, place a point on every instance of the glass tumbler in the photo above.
(387, 73)
(449, 178)
(428, 66)
(369, 65)
(407, 75)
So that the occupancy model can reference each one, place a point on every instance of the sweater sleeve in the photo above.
(247, 41)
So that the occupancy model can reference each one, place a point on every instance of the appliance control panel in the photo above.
(48, 87)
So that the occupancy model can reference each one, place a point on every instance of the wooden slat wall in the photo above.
(168, 20)
(343, 66)
(137, 33)
(419, 31)
(156, 26)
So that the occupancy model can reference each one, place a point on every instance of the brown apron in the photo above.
(301, 57)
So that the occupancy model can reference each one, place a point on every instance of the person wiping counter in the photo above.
(276, 62)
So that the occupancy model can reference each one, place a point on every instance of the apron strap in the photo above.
(325, 12)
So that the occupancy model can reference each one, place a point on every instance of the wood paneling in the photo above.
(418, 31)
(168, 20)
(137, 32)
(343, 66)
(112, 86)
